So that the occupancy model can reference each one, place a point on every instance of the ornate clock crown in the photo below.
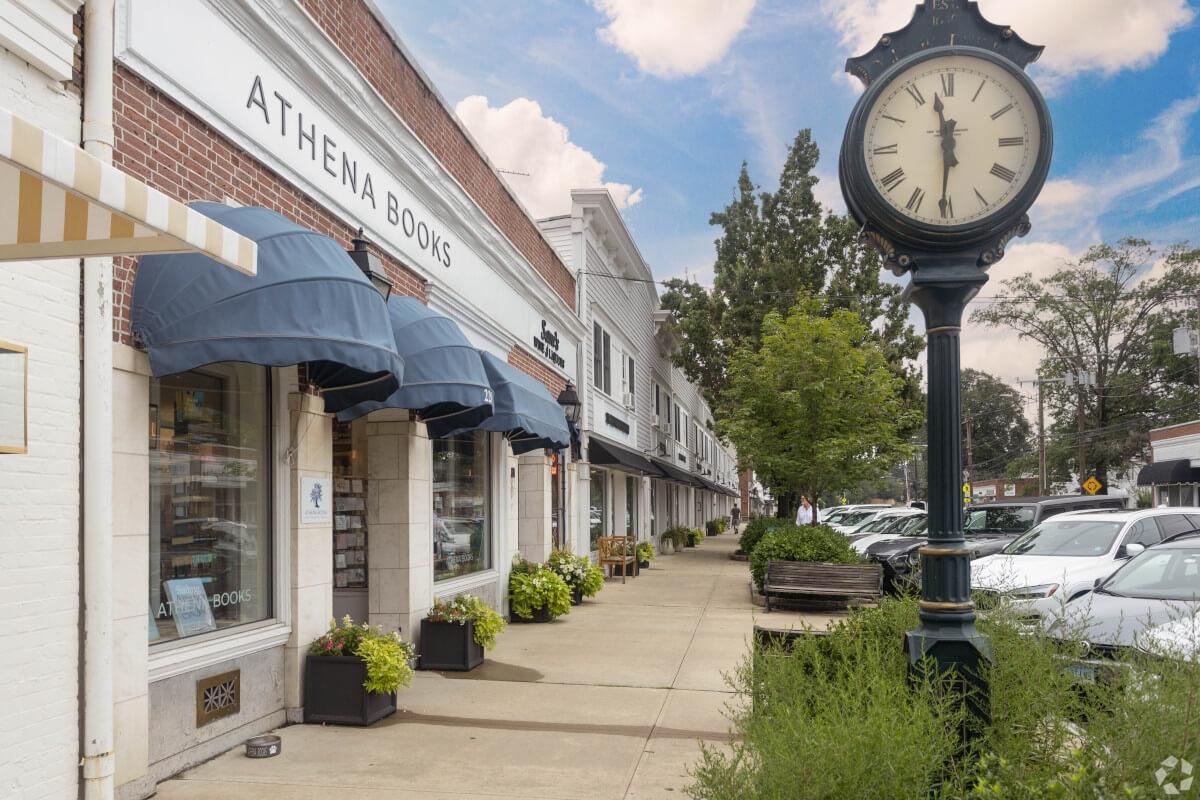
(942, 23)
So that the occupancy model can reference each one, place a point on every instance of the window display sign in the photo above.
(13, 398)
(316, 500)
(189, 606)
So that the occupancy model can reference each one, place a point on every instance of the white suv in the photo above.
(1063, 556)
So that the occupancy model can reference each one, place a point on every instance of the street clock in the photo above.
(951, 142)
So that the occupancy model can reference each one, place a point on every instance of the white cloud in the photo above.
(519, 138)
(673, 38)
(1104, 36)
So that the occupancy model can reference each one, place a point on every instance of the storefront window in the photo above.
(631, 505)
(210, 500)
(351, 496)
(599, 498)
(461, 514)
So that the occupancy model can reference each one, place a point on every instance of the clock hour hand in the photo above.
(949, 159)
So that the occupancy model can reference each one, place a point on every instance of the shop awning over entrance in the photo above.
(674, 473)
(602, 452)
(523, 410)
(58, 201)
(444, 379)
(1165, 473)
(308, 304)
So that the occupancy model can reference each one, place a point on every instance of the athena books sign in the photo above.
(323, 135)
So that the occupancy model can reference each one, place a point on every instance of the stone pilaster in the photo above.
(310, 544)
(534, 487)
(399, 522)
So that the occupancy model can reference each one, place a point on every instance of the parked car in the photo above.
(852, 518)
(887, 525)
(989, 528)
(1161, 586)
(1063, 557)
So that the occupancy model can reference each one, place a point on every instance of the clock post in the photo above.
(948, 111)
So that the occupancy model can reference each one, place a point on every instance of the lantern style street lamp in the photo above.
(568, 398)
(943, 155)
(370, 264)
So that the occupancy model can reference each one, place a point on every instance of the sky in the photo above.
(662, 100)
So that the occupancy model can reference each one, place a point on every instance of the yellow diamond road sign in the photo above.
(1091, 485)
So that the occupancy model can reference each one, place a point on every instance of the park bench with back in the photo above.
(822, 581)
(618, 551)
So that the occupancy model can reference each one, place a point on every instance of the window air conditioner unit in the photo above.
(654, 422)
(627, 399)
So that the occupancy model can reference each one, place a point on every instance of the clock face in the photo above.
(952, 140)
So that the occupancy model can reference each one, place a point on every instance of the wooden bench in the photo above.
(618, 551)
(808, 579)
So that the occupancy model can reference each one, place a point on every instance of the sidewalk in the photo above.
(610, 701)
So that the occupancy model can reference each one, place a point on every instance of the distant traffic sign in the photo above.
(1091, 485)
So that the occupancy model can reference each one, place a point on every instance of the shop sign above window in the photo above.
(14, 397)
(546, 344)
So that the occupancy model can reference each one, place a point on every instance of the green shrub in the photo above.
(788, 542)
(677, 535)
(645, 551)
(578, 572)
(541, 588)
(385, 654)
(755, 530)
(469, 608)
(722, 524)
(838, 717)
(697, 534)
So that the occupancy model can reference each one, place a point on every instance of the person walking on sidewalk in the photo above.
(804, 514)
(736, 513)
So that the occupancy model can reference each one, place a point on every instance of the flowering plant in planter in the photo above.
(645, 552)
(387, 657)
(466, 608)
(534, 588)
(578, 572)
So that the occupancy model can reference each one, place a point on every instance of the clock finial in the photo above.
(942, 23)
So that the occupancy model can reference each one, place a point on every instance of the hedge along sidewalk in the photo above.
(610, 701)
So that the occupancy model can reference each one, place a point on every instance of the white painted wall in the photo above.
(39, 490)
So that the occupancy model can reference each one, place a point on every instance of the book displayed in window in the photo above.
(351, 489)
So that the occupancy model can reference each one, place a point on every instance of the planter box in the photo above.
(333, 692)
(541, 615)
(691, 542)
(577, 596)
(643, 565)
(449, 646)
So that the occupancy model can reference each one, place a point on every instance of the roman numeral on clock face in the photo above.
(1001, 112)
(887, 150)
(1012, 141)
(947, 209)
(892, 179)
(1003, 173)
(914, 202)
(916, 95)
(948, 84)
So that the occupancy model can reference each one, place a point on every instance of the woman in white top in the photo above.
(804, 514)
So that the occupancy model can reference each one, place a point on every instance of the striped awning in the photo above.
(58, 201)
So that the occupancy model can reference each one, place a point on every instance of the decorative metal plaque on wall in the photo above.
(218, 696)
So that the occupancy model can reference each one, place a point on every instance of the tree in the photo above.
(815, 407)
(777, 248)
(1109, 313)
(995, 415)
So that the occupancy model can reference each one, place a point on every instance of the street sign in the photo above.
(967, 496)
(1091, 485)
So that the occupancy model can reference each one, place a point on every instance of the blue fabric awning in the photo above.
(444, 378)
(523, 410)
(309, 303)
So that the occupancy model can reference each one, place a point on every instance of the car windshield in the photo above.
(916, 525)
(1159, 574)
(877, 525)
(999, 519)
(855, 517)
(1067, 537)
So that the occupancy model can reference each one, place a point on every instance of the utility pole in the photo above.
(1041, 441)
(970, 456)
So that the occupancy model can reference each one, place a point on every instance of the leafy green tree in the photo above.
(815, 406)
(995, 413)
(1109, 313)
(777, 248)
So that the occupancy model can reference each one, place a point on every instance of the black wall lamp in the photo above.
(370, 264)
